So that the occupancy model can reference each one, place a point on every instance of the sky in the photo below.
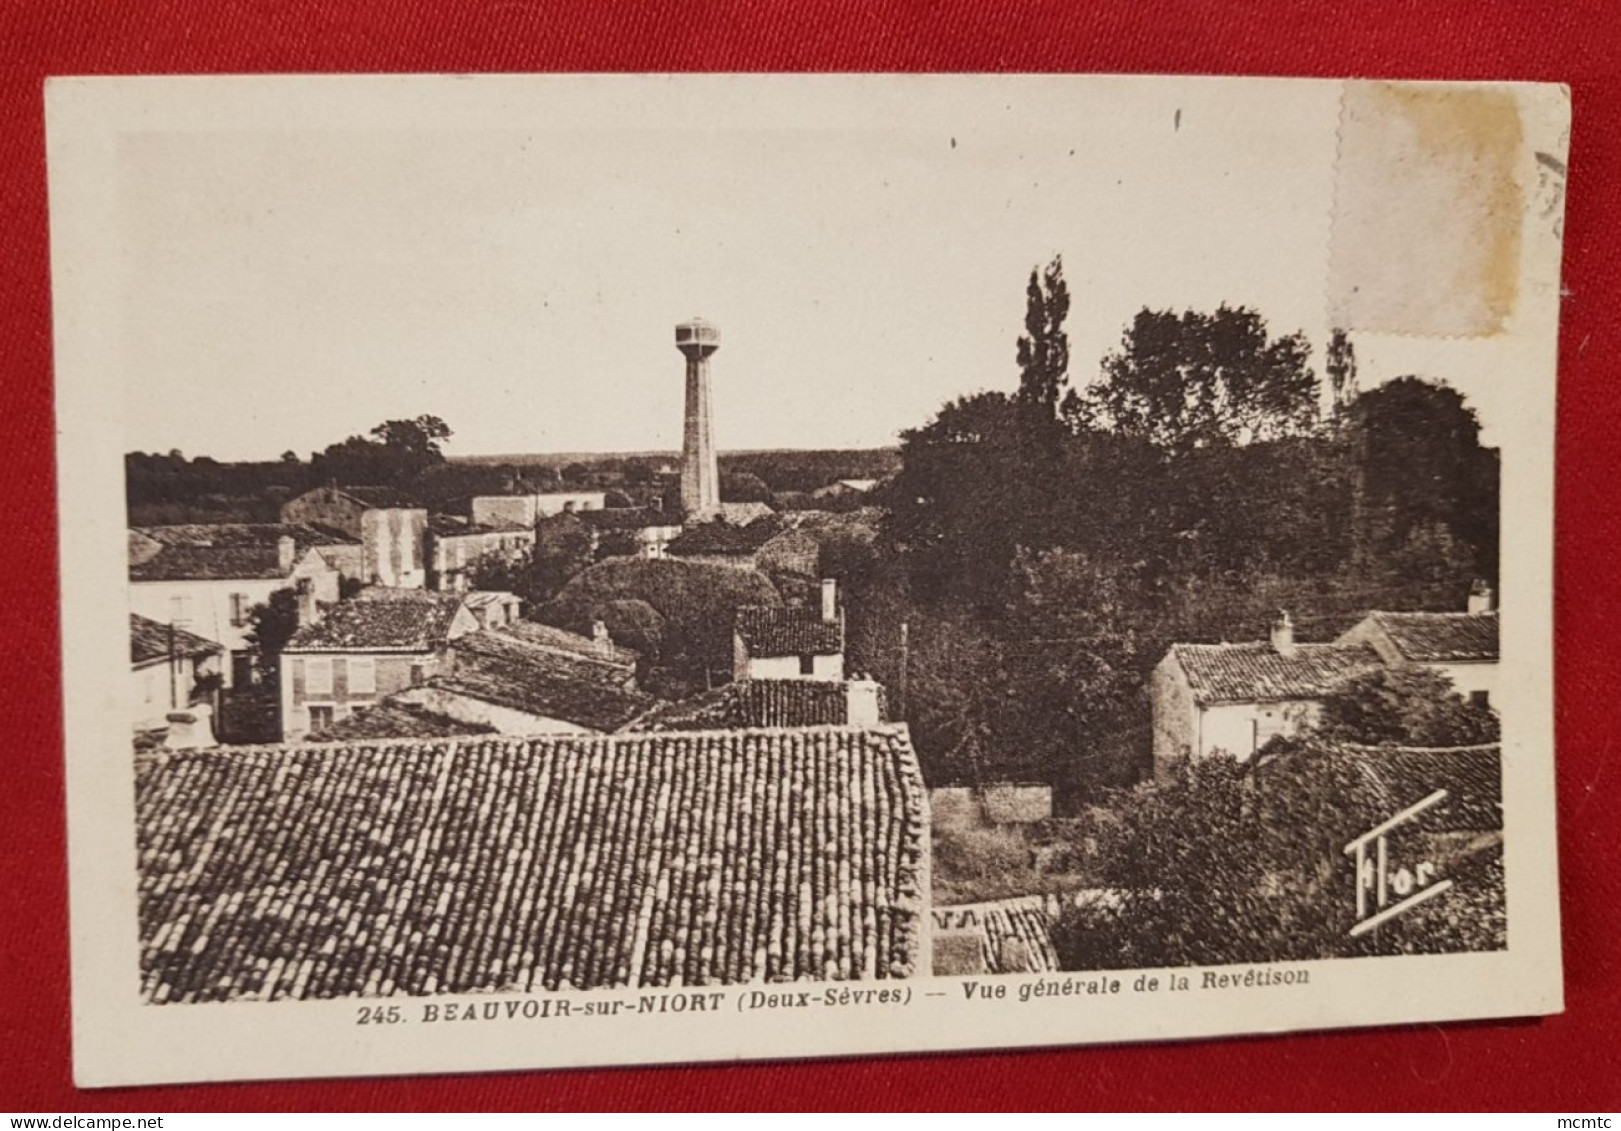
(520, 275)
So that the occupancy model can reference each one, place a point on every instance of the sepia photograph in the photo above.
(654, 568)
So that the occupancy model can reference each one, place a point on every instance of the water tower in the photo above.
(700, 474)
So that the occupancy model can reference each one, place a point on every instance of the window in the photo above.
(1480, 698)
(320, 718)
(807, 665)
(317, 677)
(239, 609)
(363, 677)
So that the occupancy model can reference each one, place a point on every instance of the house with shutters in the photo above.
(207, 581)
(457, 548)
(366, 648)
(524, 508)
(389, 527)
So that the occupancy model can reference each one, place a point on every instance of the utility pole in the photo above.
(174, 672)
(906, 663)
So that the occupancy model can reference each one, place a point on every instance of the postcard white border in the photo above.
(118, 1040)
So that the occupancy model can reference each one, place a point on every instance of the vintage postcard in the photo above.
(573, 570)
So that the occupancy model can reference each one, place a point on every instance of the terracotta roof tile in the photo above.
(1016, 933)
(1439, 637)
(569, 643)
(504, 670)
(209, 563)
(462, 865)
(150, 641)
(788, 631)
(382, 620)
(390, 719)
(1242, 673)
(627, 518)
(304, 535)
(754, 703)
(724, 538)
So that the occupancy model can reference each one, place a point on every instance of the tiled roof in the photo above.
(1243, 673)
(380, 619)
(788, 631)
(753, 703)
(1016, 933)
(479, 598)
(723, 538)
(569, 643)
(389, 719)
(383, 498)
(304, 535)
(150, 641)
(497, 668)
(745, 514)
(209, 563)
(627, 518)
(454, 526)
(1402, 776)
(482, 864)
(1439, 637)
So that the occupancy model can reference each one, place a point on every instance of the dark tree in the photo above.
(563, 548)
(1192, 380)
(397, 452)
(271, 626)
(1406, 707)
(1425, 476)
(1341, 368)
(1043, 351)
(421, 439)
(743, 487)
(960, 508)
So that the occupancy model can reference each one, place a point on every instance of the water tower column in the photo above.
(700, 472)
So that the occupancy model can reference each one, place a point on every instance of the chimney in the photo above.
(861, 705)
(286, 554)
(1283, 634)
(1480, 598)
(191, 729)
(830, 600)
(304, 599)
(604, 640)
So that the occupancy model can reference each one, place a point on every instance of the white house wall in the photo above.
(1234, 728)
(1471, 678)
(207, 611)
(827, 668)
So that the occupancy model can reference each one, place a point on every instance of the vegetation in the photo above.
(1406, 707)
(1044, 548)
(1231, 865)
(271, 626)
(696, 602)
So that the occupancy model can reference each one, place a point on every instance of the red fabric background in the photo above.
(1571, 1062)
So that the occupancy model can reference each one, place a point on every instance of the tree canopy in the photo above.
(1410, 706)
(1193, 379)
